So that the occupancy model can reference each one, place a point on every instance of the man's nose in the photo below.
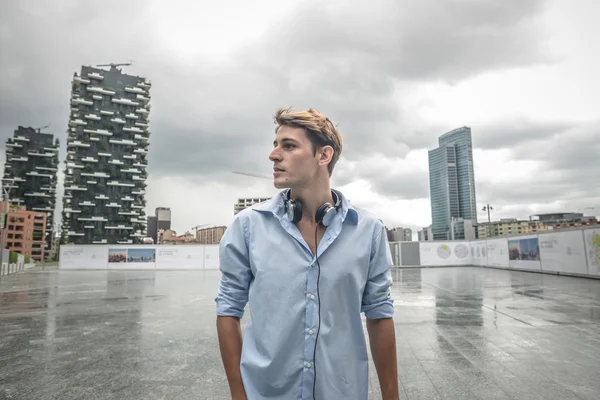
(274, 155)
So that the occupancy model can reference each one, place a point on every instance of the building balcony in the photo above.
(35, 173)
(131, 116)
(80, 100)
(130, 156)
(95, 75)
(134, 89)
(89, 159)
(144, 139)
(97, 89)
(14, 145)
(142, 124)
(138, 206)
(22, 158)
(18, 179)
(104, 112)
(73, 233)
(102, 197)
(77, 143)
(128, 213)
(76, 122)
(99, 219)
(132, 129)
(88, 227)
(124, 241)
(87, 203)
(105, 154)
(75, 187)
(74, 165)
(36, 154)
(79, 79)
(96, 174)
(113, 205)
(47, 169)
(71, 211)
(120, 226)
(142, 111)
(46, 209)
(91, 182)
(118, 121)
(138, 192)
(116, 162)
(48, 189)
(97, 97)
(37, 194)
(103, 132)
(103, 241)
(131, 170)
(53, 149)
(127, 198)
(117, 183)
(93, 117)
(126, 102)
(20, 138)
(145, 85)
(123, 142)
(138, 178)
(141, 151)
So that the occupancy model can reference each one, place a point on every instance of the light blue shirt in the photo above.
(267, 264)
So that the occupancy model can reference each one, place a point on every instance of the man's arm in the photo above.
(230, 343)
(378, 306)
(382, 338)
(231, 300)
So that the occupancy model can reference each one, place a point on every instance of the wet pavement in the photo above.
(463, 333)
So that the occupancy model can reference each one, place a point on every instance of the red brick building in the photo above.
(25, 231)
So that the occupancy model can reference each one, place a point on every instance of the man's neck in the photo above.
(312, 198)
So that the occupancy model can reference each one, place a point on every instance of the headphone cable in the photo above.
(319, 323)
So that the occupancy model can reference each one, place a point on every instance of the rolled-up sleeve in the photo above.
(232, 294)
(377, 299)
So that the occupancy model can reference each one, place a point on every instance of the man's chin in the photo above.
(281, 184)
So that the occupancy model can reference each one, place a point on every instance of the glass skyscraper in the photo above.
(452, 182)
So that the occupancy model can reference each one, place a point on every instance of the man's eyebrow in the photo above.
(284, 140)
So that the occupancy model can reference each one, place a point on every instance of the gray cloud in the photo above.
(211, 117)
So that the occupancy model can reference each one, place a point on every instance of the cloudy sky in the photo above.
(395, 75)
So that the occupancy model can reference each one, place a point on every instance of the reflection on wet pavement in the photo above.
(463, 333)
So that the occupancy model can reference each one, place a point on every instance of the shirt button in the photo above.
(312, 296)
(308, 365)
(310, 331)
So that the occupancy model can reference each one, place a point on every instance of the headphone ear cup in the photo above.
(294, 211)
(325, 214)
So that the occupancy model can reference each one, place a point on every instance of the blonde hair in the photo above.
(319, 129)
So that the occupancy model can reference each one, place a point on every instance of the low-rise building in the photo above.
(25, 231)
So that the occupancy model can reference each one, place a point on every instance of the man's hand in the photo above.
(382, 337)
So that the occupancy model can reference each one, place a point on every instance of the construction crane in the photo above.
(114, 65)
(43, 127)
(250, 174)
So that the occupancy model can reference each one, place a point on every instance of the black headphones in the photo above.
(324, 215)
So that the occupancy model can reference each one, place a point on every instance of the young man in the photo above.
(307, 263)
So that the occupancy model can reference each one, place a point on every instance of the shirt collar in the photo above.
(276, 205)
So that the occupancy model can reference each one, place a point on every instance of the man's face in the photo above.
(294, 164)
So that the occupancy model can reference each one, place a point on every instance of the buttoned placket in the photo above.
(312, 299)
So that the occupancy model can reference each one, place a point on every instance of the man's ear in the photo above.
(326, 154)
